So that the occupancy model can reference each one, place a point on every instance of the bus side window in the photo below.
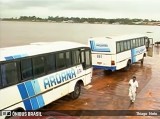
(50, 63)
(122, 46)
(26, 69)
(142, 41)
(139, 39)
(38, 66)
(129, 44)
(78, 56)
(88, 61)
(125, 45)
(75, 57)
(118, 47)
(9, 73)
(133, 43)
(83, 59)
(60, 61)
(68, 59)
(136, 45)
(147, 42)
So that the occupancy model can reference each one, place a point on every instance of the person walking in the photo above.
(133, 86)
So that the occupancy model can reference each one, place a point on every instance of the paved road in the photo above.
(110, 91)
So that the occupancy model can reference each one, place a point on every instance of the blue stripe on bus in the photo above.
(40, 101)
(36, 86)
(34, 103)
(16, 56)
(91, 45)
(112, 68)
(23, 91)
(133, 55)
(102, 50)
(27, 104)
(24, 55)
(98, 49)
(9, 58)
(29, 88)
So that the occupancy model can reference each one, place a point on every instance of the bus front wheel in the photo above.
(128, 65)
(76, 93)
(142, 60)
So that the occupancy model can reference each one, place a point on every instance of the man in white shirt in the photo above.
(133, 86)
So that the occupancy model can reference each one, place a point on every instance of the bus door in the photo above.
(149, 46)
(83, 58)
(86, 64)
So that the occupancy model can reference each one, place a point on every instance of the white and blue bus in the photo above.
(117, 52)
(32, 76)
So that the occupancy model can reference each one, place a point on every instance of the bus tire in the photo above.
(77, 91)
(142, 60)
(128, 65)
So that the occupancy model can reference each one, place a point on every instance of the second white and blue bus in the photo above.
(117, 52)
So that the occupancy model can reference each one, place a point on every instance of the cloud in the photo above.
(53, 4)
(23, 4)
(85, 8)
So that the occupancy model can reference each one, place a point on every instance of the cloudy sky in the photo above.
(145, 9)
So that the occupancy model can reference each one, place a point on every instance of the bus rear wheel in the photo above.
(77, 91)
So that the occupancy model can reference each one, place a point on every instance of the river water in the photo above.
(19, 33)
(108, 91)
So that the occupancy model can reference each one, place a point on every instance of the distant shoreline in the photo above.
(150, 24)
(57, 19)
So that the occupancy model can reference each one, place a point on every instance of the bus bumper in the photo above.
(113, 68)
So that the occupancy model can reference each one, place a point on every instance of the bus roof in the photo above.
(10, 53)
(119, 38)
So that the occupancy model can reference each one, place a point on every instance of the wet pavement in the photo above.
(109, 91)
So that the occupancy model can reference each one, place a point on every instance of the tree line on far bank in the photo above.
(81, 20)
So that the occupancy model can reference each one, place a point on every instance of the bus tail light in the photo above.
(99, 62)
(112, 62)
